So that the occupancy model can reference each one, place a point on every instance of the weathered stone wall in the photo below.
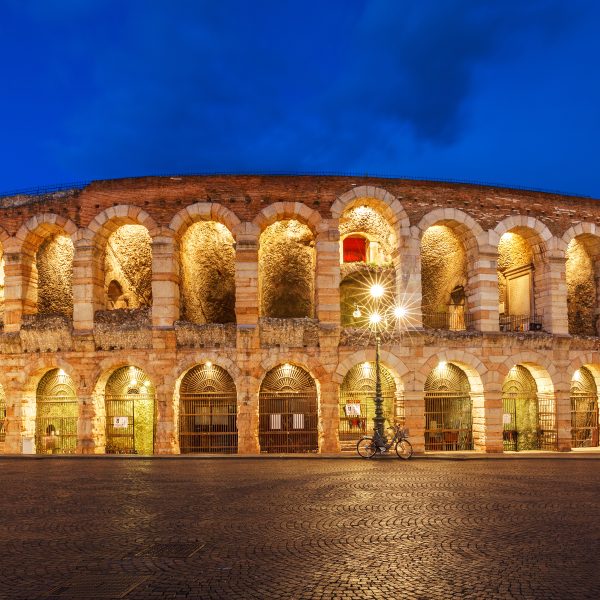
(581, 289)
(286, 261)
(55, 276)
(443, 267)
(128, 262)
(208, 274)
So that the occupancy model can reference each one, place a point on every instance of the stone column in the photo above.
(88, 285)
(15, 426)
(556, 318)
(14, 290)
(248, 385)
(165, 279)
(91, 432)
(327, 288)
(329, 415)
(408, 278)
(414, 419)
(165, 437)
(562, 398)
(482, 292)
(246, 275)
(491, 438)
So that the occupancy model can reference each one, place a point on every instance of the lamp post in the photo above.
(378, 322)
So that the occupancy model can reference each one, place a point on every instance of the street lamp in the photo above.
(379, 310)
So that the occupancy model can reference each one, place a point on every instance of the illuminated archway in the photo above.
(207, 410)
(584, 409)
(288, 411)
(130, 412)
(56, 414)
(448, 409)
(357, 400)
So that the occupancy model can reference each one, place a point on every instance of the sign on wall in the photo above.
(120, 422)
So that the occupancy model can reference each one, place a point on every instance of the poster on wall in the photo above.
(120, 422)
(352, 410)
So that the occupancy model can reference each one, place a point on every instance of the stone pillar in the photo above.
(15, 425)
(88, 286)
(556, 319)
(14, 291)
(562, 399)
(482, 293)
(329, 415)
(165, 279)
(327, 288)
(246, 275)
(408, 278)
(165, 436)
(91, 432)
(491, 431)
(414, 419)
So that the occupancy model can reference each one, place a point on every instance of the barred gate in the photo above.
(448, 410)
(357, 401)
(529, 417)
(130, 412)
(288, 414)
(207, 411)
(584, 410)
(56, 414)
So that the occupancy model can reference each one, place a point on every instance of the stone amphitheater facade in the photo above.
(108, 279)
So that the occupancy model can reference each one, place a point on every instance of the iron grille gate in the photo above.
(207, 411)
(584, 410)
(357, 401)
(130, 412)
(529, 417)
(56, 414)
(448, 410)
(288, 416)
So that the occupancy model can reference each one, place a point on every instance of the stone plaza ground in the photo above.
(299, 528)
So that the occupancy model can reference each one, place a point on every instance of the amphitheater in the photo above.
(228, 314)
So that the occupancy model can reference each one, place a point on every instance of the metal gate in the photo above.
(130, 412)
(288, 417)
(584, 410)
(207, 411)
(448, 410)
(56, 414)
(529, 417)
(357, 401)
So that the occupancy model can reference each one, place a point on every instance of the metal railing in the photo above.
(457, 321)
(510, 323)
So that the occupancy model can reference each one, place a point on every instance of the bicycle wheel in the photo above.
(366, 447)
(404, 449)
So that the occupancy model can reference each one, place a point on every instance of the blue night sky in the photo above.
(501, 92)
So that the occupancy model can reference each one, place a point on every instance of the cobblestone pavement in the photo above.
(143, 529)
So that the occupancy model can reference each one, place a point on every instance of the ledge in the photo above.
(292, 333)
(208, 335)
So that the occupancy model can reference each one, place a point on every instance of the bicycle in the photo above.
(367, 448)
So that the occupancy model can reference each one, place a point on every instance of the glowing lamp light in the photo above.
(377, 290)
(400, 312)
(208, 364)
(442, 364)
(146, 383)
(133, 382)
(375, 318)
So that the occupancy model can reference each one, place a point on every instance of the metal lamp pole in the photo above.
(378, 419)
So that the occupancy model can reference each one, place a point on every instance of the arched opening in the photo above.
(288, 413)
(357, 401)
(56, 414)
(582, 273)
(520, 280)
(444, 279)
(286, 268)
(130, 412)
(529, 414)
(2, 415)
(448, 409)
(355, 293)
(207, 411)
(208, 274)
(54, 261)
(584, 409)
(128, 268)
